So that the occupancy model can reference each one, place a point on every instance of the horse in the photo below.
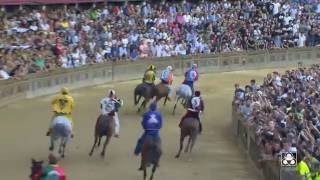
(61, 130)
(143, 90)
(161, 91)
(183, 93)
(105, 126)
(150, 155)
(36, 169)
(189, 127)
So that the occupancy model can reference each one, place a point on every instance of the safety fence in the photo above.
(90, 75)
(269, 169)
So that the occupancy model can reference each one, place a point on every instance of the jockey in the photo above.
(151, 123)
(196, 107)
(53, 167)
(62, 105)
(150, 75)
(191, 76)
(110, 106)
(167, 79)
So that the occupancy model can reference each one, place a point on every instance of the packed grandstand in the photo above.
(40, 39)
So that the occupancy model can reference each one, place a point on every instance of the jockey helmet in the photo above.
(64, 91)
(169, 68)
(52, 159)
(152, 67)
(153, 107)
(194, 66)
(112, 93)
(197, 93)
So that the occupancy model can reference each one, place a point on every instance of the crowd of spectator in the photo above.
(33, 41)
(285, 113)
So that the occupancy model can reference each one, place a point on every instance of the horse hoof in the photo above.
(177, 156)
(50, 148)
(62, 156)
(140, 169)
(102, 154)
(90, 154)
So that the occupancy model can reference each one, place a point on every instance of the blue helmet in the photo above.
(153, 107)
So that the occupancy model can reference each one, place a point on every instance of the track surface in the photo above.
(215, 157)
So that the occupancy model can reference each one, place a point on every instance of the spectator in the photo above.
(72, 37)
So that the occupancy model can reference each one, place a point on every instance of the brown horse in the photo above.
(150, 155)
(161, 91)
(105, 126)
(143, 90)
(36, 169)
(189, 127)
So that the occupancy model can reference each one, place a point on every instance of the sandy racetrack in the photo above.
(215, 157)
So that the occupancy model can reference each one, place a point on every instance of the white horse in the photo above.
(61, 130)
(183, 93)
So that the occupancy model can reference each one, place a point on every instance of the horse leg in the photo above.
(188, 145)
(64, 144)
(136, 101)
(94, 144)
(99, 141)
(153, 170)
(142, 105)
(144, 173)
(175, 106)
(105, 145)
(181, 144)
(165, 101)
(51, 143)
(60, 145)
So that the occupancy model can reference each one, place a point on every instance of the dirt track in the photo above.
(215, 157)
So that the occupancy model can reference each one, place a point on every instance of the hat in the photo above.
(197, 93)
(194, 66)
(169, 68)
(111, 93)
(152, 67)
(52, 159)
(153, 106)
(64, 90)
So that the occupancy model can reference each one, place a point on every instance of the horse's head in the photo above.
(36, 168)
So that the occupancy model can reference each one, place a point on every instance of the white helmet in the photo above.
(169, 68)
(111, 93)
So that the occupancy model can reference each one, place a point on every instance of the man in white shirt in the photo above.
(302, 40)
(3, 74)
(276, 7)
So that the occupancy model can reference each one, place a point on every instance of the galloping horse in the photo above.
(105, 126)
(143, 90)
(161, 91)
(36, 169)
(183, 93)
(61, 130)
(189, 127)
(150, 155)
